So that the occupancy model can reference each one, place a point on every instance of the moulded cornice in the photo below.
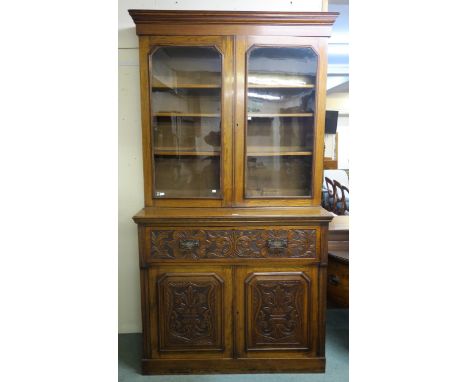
(140, 16)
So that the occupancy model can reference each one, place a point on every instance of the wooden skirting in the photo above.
(236, 366)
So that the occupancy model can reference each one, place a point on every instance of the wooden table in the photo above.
(338, 262)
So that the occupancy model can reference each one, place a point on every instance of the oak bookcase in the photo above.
(232, 238)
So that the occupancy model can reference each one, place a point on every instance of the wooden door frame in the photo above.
(222, 273)
(309, 275)
(242, 46)
(224, 44)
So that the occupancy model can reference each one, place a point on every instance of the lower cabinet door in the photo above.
(190, 311)
(277, 312)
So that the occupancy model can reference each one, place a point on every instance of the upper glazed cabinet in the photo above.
(233, 120)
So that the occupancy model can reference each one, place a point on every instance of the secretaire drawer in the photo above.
(231, 243)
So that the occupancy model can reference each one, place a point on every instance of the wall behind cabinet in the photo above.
(340, 102)
(130, 189)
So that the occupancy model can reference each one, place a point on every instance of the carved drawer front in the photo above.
(233, 243)
(190, 311)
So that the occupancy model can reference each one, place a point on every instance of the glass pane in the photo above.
(279, 134)
(280, 101)
(280, 121)
(186, 114)
(280, 176)
(187, 176)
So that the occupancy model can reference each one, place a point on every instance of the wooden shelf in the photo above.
(262, 115)
(187, 153)
(280, 148)
(175, 114)
(187, 86)
(277, 79)
(281, 193)
(186, 148)
(187, 126)
(278, 153)
(258, 86)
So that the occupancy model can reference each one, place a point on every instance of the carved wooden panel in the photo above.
(214, 244)
(190, 311)
(277, 311)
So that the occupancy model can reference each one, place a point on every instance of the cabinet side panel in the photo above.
(322, 300)
(145, 312)
(144, 292)
(146, 120)
(322, 290)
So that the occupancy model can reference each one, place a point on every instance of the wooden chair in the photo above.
(341, 207)
(329, 198)
(335, 197)
(335, 191)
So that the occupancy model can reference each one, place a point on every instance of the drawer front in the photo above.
(233, 243)
(338, 282)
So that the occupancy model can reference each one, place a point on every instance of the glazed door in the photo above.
(277, 312)
(279, 121)
(190, 121)
(190, 312)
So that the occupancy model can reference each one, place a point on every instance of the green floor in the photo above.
(336, 352)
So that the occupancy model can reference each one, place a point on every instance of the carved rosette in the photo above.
(213, 244)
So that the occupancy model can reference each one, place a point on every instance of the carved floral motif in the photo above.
(190, 307)
(277, 311)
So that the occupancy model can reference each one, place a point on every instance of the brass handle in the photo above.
(277, 243)
(188, 244)
(333, 279)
